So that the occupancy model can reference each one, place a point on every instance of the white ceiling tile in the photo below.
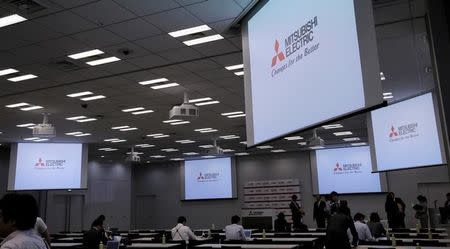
(148, 61)
(174, 20)
(160, 43)
(215, 10)
(104, 12)
(134, 29)
(180, 54)
(66, 22)
(99, 38)
(146, 7)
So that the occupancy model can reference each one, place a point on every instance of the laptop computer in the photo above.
(112, 245)
(248, 233)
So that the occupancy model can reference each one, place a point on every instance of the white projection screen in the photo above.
(407, 134)
(346, 171)
(307, 63)
(208, 179)
(47, 166)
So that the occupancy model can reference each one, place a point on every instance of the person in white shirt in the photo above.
(235, 231)
(182, 232)
(18, 213)
(42, 229)
(362, 229)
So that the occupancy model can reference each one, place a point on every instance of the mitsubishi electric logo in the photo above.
(50, 164)
(347, 168)
(208, 177)
(297, 45)
(403, 132)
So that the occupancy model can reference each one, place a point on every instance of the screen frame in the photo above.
(234, 194)
(440, 131)
(13, 162)
(370, 69)
(384, 187)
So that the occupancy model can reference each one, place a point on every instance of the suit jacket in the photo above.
(295, 209)
(319, 211)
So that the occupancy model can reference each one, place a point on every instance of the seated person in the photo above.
(18, 213)
(338, 224)
(93, 237)
(235, 231)
(42, 230)
(182, 232)
(376, 228)
(281, 225)
(361, 228)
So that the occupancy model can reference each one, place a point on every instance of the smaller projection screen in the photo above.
(46, 166)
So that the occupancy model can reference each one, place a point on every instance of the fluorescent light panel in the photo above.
(207, 103)
(154, 135)
(234, 67)
(293, 138)
(240, 73)
(142, 112)
(93, 98)
(277, 151)
(177, 159)
(120, 127)
(208, 156)
(86, 120)
(25, 125)
(316, 147)
(76, 118)
(209, 131)
(10, 20)
(22, 78)
(73, 133)
(357, 144)
(41, 140)
(82, 135)
(171, 121)
(86, 54)
(189, 31)
(80, 94)
(110, 139)
(31, 138)
(388, 97)
(165, 86)
(157, 156)
(387, 93)
(332, 126)
(206, 146)
(103, 61)
(190, 153)
(263, 147)
(154, 81)
(129, 129)
(133, 109)
(236, 116)
(241, 154)
(8, 71)
(161, 136)
(17, 105)
(119, 141)
(231, 113)
(199, 100)
(350, 139)
(203, 40)
(180, 123)
(343, 133)
(203, 129)
(36, 107)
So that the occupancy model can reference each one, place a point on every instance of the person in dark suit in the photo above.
(319, 211)
(297, 212)
(392, 210)
(336, 236)
(93, 237)
(281, 225)
(334, 203)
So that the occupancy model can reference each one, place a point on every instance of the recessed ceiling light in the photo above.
(350, 139)
(22, 77)
(209, 131)
(332, 126)
(103, 61)
(75, 95)
(190, 153)
(242, 154)
(129, 129)
(120, 127)
(154, 135)
(189, 31)
(208, 103)
(31, 108)
(199, 100)
(31, 138)
(93, 98)
(277, 151)
(17, 105)
(82, 135)
(110, 139)
(203, 40)
(171, 121)
(176, 159)
(73, 133)
(227, 137)
(161, 136)
(382, 77)
(76, 118)
(243, 142)
(203, 129)
(388, 97)
(387, 93)
(119, 141)
(357, 144)
(231, 113)
(187, 141)
(86, 54)
(7, 71)
(263, 147)
(157, 156)
(343, 133)
(142, 112)
(227, 150)
(40, 140)
(316, 147)
(86, 120)
(133, 109)
(154, 81)
(144, 145)
(137, 153)
(208, 156)
(165, 86)
(293, 138)
(169, 150)
(239, 73)
(25, 125)
(302, 143)
(234, 67)
(111, 149)
(206, 146)
(10, 20)
(180, 123)
(236, 116)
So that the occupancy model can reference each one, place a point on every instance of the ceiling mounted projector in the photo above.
(185, 110)
(44, 130)
(315, 140)
(215, 150)
(133, 157)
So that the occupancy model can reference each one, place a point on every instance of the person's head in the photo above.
(374, 217)
(235, 219)
(334, 196)
(294, 197)
(17, 212)
(421, 198)
(182, 220)
(318, 197)
(281, 216)
(359, 217)
(102, 217)
(390, 195)
(448, 196)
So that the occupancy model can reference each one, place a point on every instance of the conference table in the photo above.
(400, 247)
(143, 239)
(287, 239)
(319, 234)
(153, 245)
(249, 246)
(411, 240)
(65, 245)
(140, 234)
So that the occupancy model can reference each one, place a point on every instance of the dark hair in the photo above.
(181, 219)
(421, 198)
(20, 208)
(374, 217)
(235, 219)
(101, 217)
(359, 216)
(294, 197)
(448, 194)
(281, 215)
(334, 193)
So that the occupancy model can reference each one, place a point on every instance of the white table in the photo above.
(414, 229)
(66, 244)
(294, 234)
(410, 240)
(72, 234)
(401, 247)
(70, 238)
(152, 245)
(250, 246)
(144, 239)
(289, 239)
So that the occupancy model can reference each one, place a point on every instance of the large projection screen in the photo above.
(208, 179)
(407, 134)
(307, 63)
(48, 166)
(345, 170)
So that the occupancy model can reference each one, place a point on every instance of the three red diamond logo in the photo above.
(279, 56)
(393, 132)
(338, 167)
(40, 163)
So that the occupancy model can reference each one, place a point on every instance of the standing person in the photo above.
(297, 212)
(422, 211)
(95, 235)
(281, 225)
(376, 228)
(235, 231)
(319, 211)
(42, 230)
(18, 213)
(401, 212)
(392, 210)
(334, 203)
(181, 232)
(336, 236)
(447, 208)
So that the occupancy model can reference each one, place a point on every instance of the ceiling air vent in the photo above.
(27, 7)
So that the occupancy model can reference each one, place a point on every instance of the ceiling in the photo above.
(136, 31)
